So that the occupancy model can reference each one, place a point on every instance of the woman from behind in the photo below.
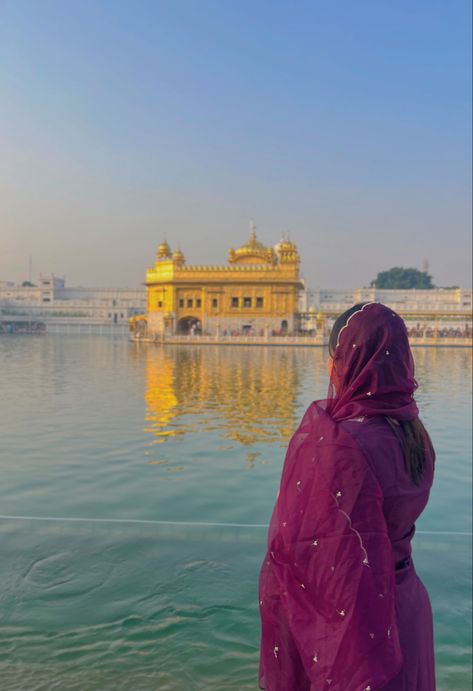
(341, 605)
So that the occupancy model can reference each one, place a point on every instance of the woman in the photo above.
(341, 605)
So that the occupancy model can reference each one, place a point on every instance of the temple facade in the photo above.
(256, 292)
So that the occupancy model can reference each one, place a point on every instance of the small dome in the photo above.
(178, 257)
(164, 251)
(286, 245)
(287, 250)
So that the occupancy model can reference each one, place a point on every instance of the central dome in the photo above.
(252, 244)
(252, 252)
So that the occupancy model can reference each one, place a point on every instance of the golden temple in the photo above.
(255, 293)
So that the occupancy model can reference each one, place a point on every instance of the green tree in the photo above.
(398, 277)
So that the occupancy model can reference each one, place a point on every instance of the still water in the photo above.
(118, 434)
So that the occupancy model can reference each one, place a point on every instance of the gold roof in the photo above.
(252, 252)
(164, 251)
(252, 245)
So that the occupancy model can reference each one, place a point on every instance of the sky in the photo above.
(345, 124)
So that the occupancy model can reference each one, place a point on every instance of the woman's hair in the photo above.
(414, 438)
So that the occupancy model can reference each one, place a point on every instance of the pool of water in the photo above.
(171, 458)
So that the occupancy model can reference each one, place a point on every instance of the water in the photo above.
(98, 428)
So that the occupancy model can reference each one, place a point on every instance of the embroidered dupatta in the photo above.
(327, 582)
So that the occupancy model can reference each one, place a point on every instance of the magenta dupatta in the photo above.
(327, 582)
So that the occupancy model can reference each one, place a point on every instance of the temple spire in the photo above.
(253, 232)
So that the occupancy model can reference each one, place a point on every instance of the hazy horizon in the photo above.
(347, 125)
(35, 276)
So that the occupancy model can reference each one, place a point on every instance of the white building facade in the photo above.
(52, 302)
(441, 307)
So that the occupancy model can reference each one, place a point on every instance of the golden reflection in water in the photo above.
(160, 398)
(246, 395)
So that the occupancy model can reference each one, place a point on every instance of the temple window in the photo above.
(246, 302)
(259, 302)
(198, 302)
(234, 302)
(214, 302)
(190, 302)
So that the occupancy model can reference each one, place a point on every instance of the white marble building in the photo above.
(437, 306)
(55, 303)
(51, 301)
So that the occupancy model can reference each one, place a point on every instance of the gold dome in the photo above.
(164, 251)
(252, 252)
(252, 244)
(178, 257)
(287, 250)
(287, 246)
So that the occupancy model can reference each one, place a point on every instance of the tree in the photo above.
(398, 277)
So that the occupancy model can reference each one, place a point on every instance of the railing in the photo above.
(290, 340)
(246, 339)
(88, 329)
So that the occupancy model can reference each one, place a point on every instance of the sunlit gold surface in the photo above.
(263, 280)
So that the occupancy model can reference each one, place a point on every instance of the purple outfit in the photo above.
(341, 605)
(403, 503)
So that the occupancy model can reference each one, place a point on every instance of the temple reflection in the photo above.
(247, 399)
(161, 401)
(250, 394)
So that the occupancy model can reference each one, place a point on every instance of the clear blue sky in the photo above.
(346, 123)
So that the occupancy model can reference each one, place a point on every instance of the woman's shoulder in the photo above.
(378, 439)
(365, 424)
(374, 435)
(380, 447)
(368, 420)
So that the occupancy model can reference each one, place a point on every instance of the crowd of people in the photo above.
(420, 331)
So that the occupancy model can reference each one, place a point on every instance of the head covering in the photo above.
(373, 367)
(327, 581)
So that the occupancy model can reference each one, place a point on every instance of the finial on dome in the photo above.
(253, 232)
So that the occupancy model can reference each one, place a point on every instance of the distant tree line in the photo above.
(398, 277)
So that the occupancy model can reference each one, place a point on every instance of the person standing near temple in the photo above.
(341, 605)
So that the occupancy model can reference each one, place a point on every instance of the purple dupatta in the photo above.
(327, 582)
